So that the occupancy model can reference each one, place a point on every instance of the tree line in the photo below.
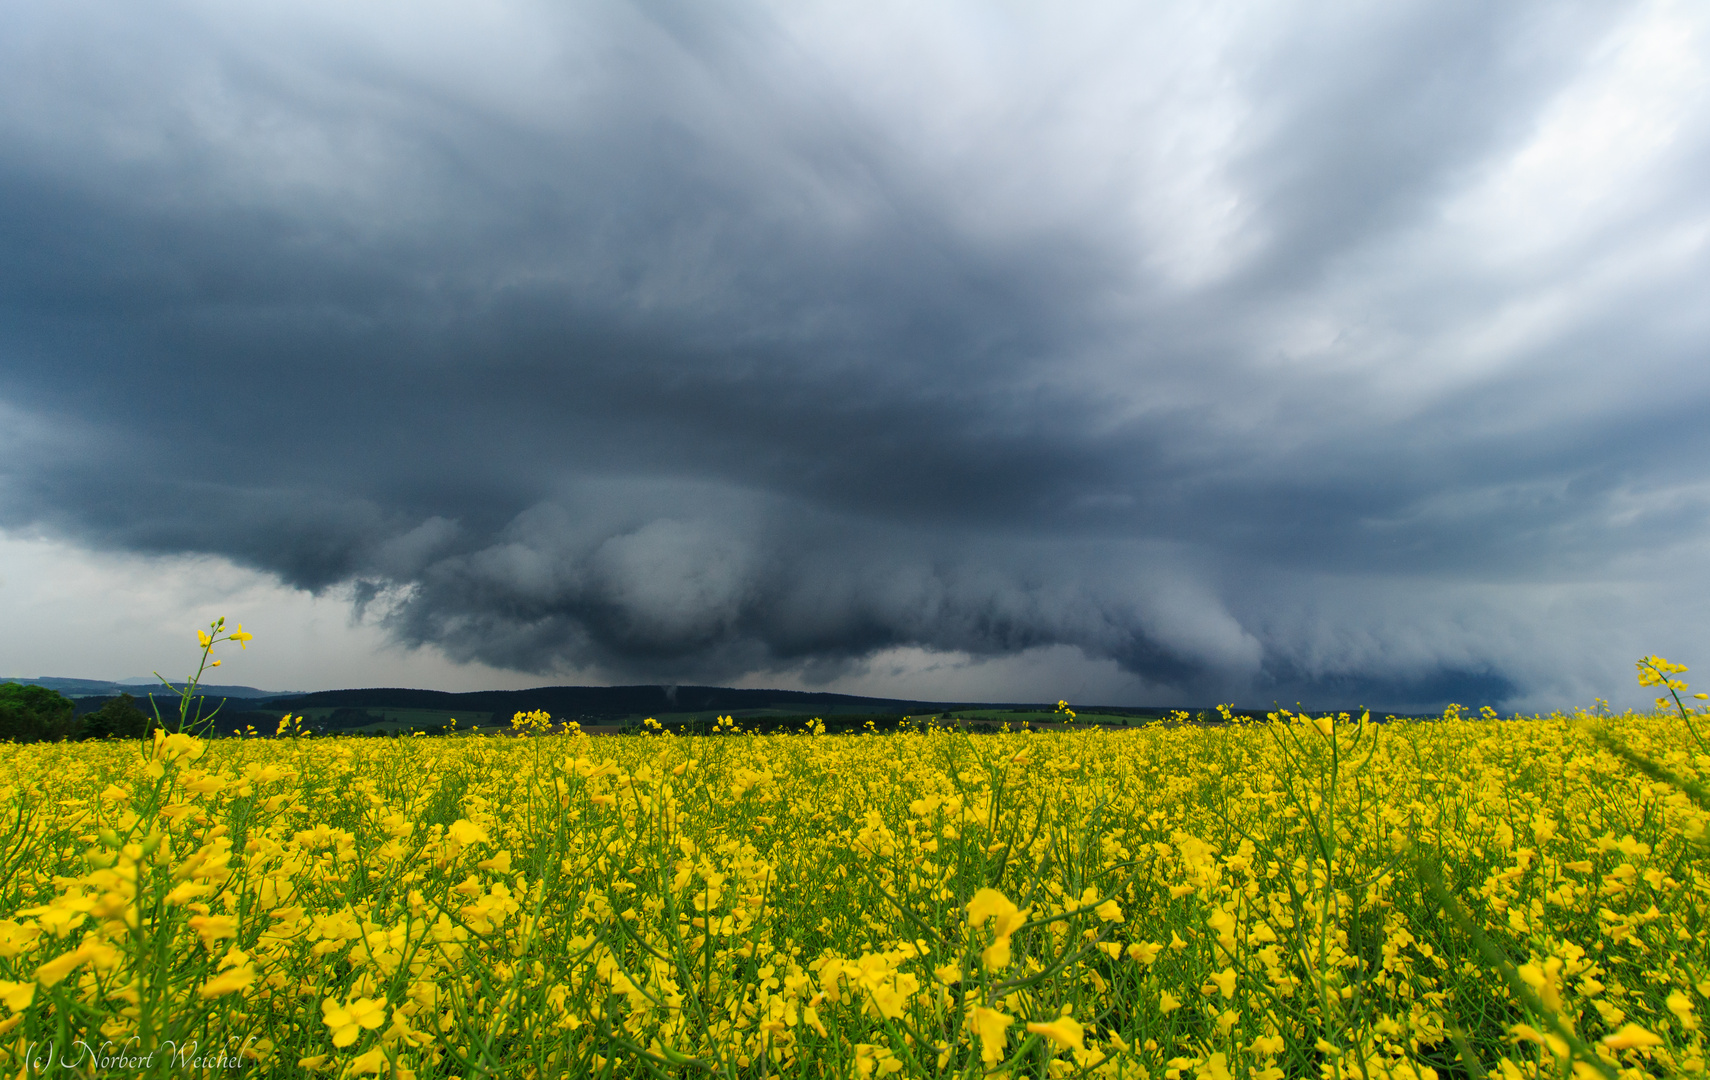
(37, 714)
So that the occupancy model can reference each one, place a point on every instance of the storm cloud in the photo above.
(1268, 351)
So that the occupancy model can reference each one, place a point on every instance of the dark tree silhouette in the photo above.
(35, 714)
(118, 718)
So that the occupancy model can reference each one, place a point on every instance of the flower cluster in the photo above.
(537, 722)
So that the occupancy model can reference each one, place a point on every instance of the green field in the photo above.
(390, 719)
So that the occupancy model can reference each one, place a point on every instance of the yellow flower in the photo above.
(1216, 1067)
(872, 1060)
(231, 981)
(1556, 1044)
(467, 832)
(993, 905)
(810, 1017)
(988, 903)
(347, 1021)
(1168, 1003)
(178, 746)
(1063, 1031)
(1108, 911)
(989, 1025)
(538, 721)
(1680, 1005)
(1222, 982)
(92, 950)
(241, 637)
(1631, 1035)
(214, 927)
(891, 1000)
(16, 995)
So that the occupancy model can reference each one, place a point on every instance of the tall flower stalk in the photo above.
(186, 694)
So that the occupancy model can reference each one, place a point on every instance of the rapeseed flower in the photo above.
(1631, 1036)
(1005, 917)
(1063, 1031)
(347, 1021)
(990, 1025)
(229, 981)
(17, 996)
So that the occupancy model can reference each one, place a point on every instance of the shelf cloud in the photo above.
(1265, 352)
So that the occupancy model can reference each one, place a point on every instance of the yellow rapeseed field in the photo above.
(1313, 896)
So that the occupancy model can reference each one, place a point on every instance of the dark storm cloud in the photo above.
(687, 342)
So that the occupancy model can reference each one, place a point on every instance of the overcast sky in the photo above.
(1131, 353)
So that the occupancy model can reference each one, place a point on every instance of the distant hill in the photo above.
(591, 702)
(589, 705)
(75, 688)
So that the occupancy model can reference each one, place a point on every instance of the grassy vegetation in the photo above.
(389, 720)
(778, 721)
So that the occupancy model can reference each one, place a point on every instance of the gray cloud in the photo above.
(1258, 355)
